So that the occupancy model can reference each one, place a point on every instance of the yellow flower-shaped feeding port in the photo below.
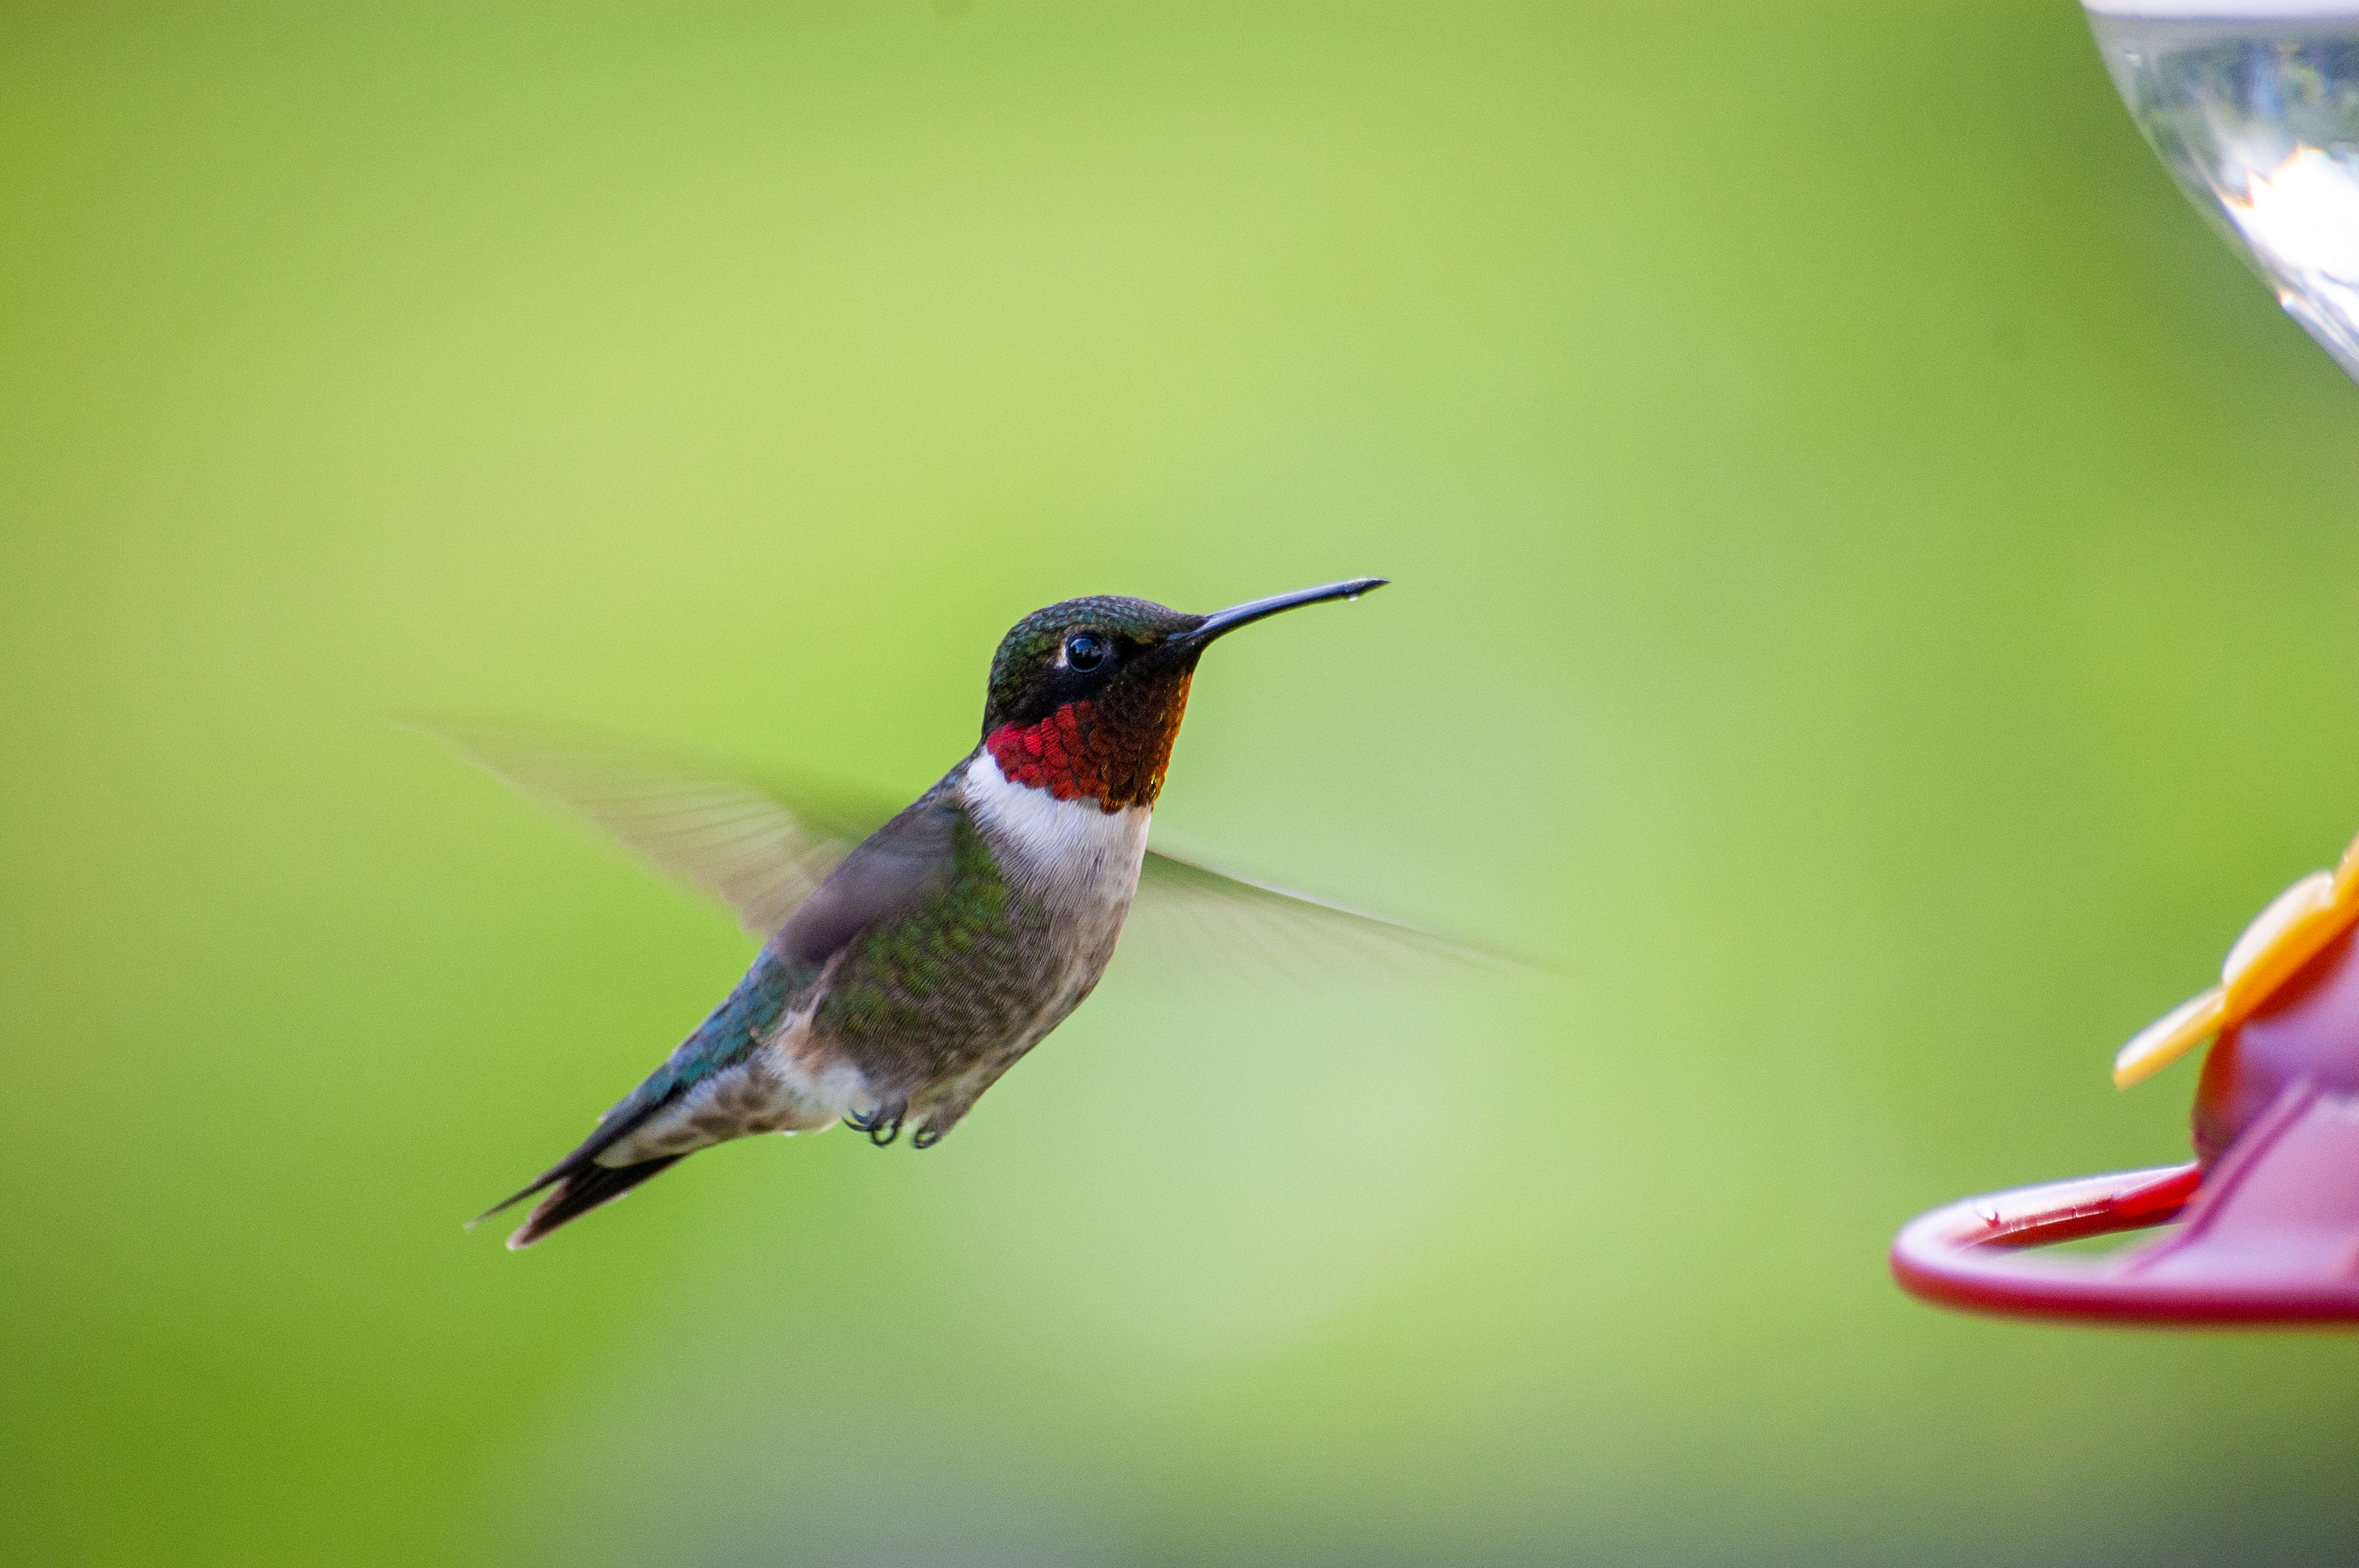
(2294, 929)
(2266, 1214)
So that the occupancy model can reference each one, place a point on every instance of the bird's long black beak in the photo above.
(1222, 621)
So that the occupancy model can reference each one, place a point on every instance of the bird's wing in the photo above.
(1182, 897)
(730, 836)
(762, 848)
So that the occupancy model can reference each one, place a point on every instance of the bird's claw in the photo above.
(883, 1124)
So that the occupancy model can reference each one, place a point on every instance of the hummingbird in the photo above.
(901, 975)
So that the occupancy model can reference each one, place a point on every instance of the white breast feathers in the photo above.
(1074, 852)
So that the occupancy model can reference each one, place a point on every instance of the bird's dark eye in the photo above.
(1085, 651)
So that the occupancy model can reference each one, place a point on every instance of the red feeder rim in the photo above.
(2271, 1234)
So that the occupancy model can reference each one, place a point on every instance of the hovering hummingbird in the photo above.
(897, 980)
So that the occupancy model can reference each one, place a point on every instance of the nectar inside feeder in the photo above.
(2269, 1206)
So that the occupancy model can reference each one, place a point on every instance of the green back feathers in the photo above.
(901, 972)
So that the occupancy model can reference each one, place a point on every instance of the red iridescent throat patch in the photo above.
(1113, 753)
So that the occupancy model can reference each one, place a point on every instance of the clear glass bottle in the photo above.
(2255, 107)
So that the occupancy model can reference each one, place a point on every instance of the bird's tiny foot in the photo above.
(883, 1124)
(927, 1137)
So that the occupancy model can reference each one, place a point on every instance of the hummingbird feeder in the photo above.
(2268, 1210)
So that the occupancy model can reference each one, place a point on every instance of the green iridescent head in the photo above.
(1073, 651)
(1084, 648)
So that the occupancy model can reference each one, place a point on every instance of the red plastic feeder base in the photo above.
(2271, 1234)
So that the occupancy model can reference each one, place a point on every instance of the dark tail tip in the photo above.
(581, 1191)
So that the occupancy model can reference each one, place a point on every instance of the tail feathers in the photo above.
(545, 1178)
(577, 1169)
(578, 1191)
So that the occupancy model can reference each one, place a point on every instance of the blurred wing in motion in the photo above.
(731, 837)
(1185, 904)
(761, 849)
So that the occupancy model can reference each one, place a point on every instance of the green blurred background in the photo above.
(1874, 582)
